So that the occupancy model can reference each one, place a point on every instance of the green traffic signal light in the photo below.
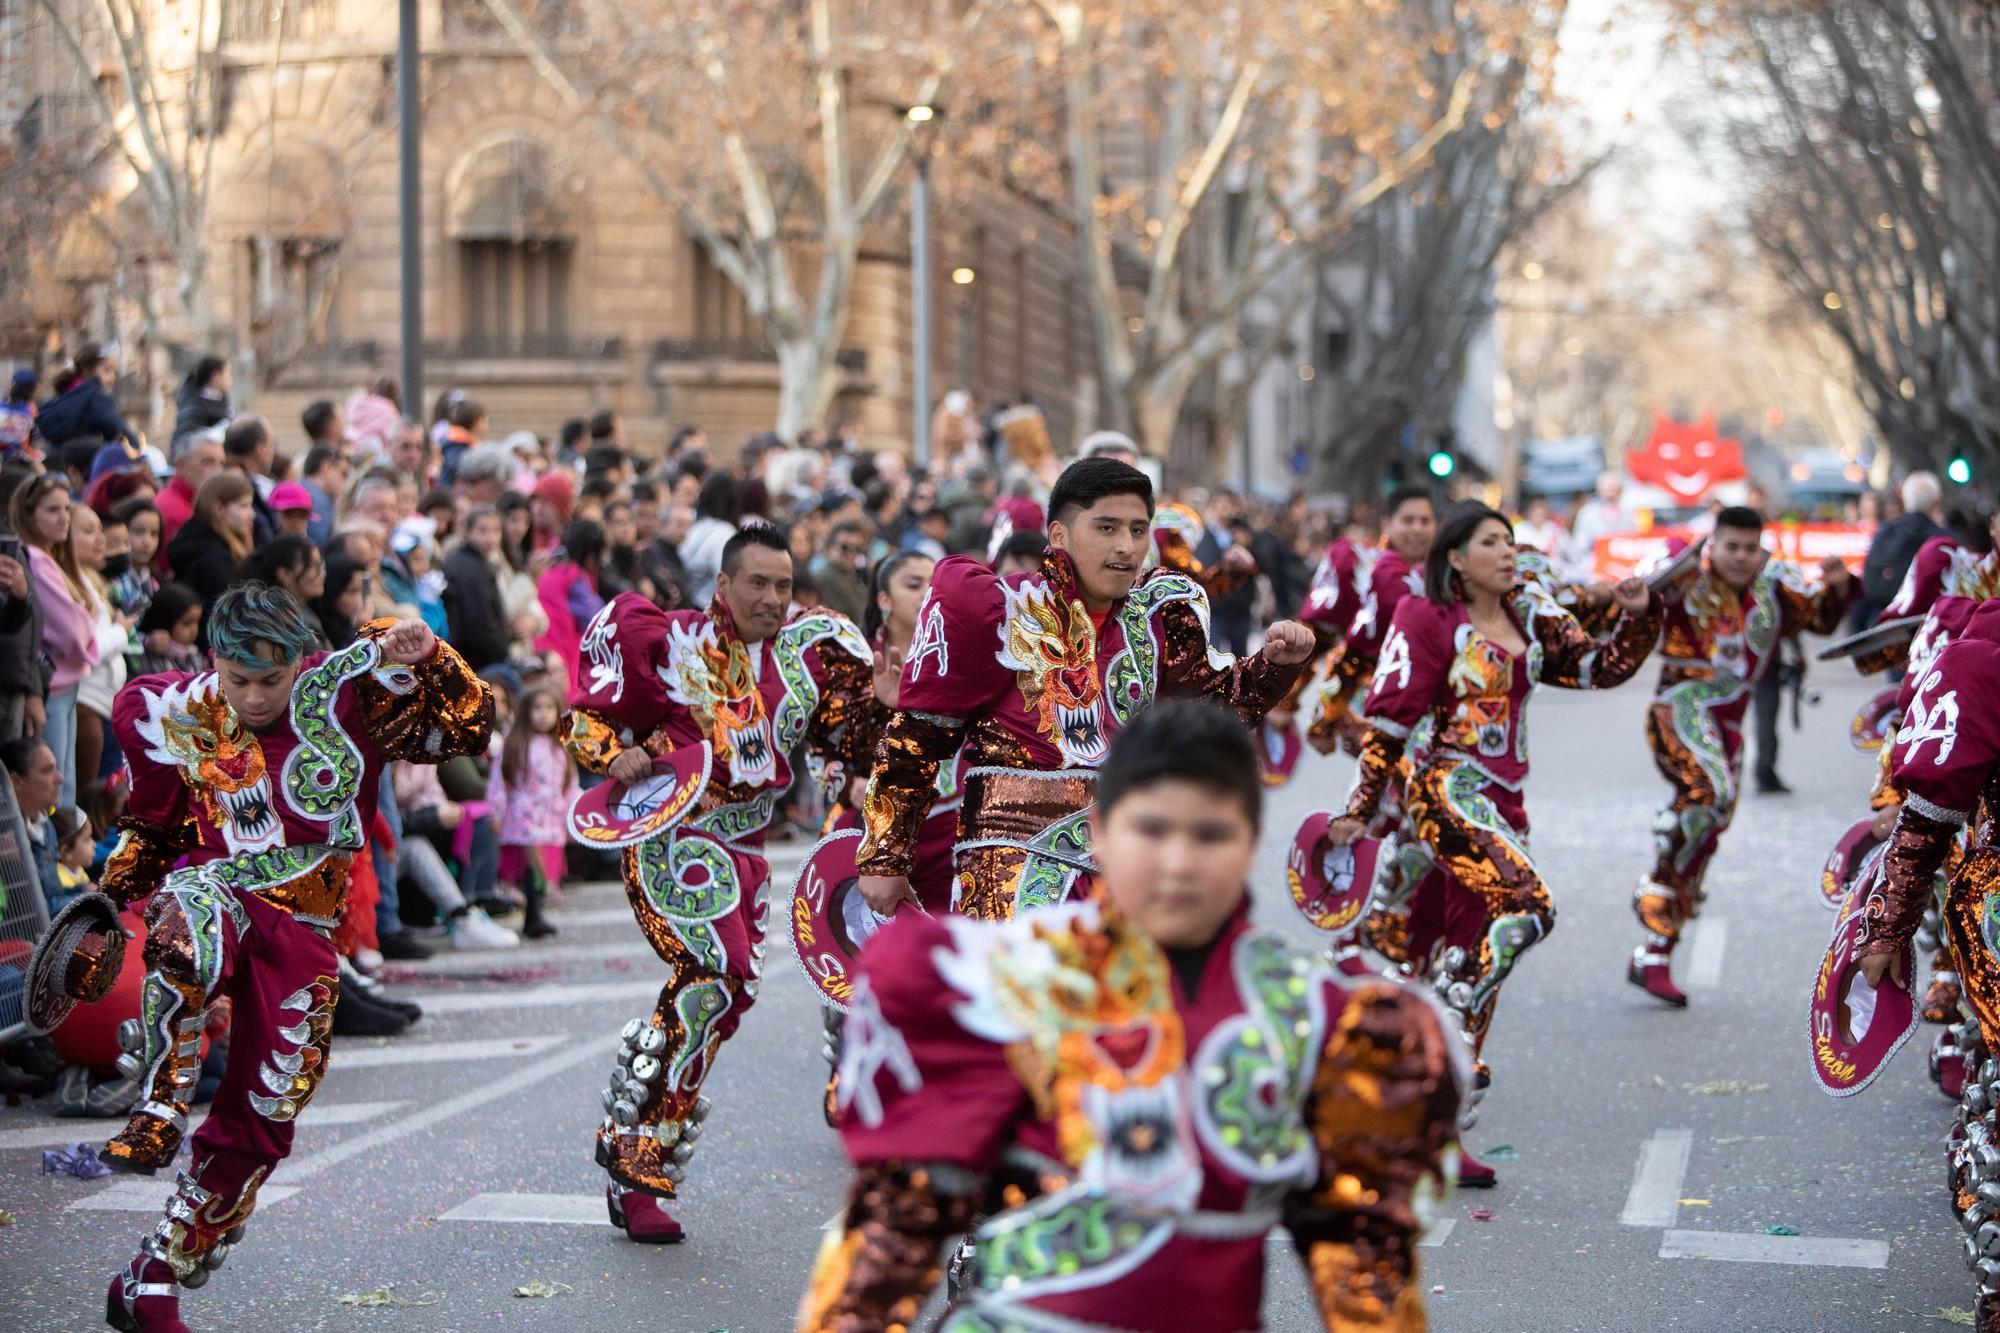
(1959, 470)
(1442, 464)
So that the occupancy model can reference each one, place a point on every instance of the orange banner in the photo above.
(1804, 544)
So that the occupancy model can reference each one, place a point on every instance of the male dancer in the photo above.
(753, 687)
(1137, 1090)
(1386, 575)
(1723, 627)
(1032, 675)
(259, 779)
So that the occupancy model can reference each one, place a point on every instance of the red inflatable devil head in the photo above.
(1687, 461)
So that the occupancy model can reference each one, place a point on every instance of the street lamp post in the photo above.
(409, 135)
(920, 306)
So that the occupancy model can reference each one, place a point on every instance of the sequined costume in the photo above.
(1946, 757)
(1177, 530)
(261, 825)
(1717, 643)
(1943, 568)
(663, 680)
(1488, 904)
(1384, 578)
(1132, 1144)
(1015, 673)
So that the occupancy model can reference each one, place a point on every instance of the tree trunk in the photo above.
(805, 383)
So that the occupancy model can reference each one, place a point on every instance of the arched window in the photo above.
(514, 234)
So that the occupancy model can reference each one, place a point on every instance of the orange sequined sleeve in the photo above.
(1917, 851)
(1384, 1111)
(1815, 611)
(1335, 721)
(143, 855)
(877, 1273)
(1381, 753)
(1574, 660)
(154, 831)
(903, 788)
(428, 711)
(593, 740)
(848, 723)
(1251, 686)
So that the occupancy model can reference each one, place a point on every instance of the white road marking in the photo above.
(57, 1133)
(1711, 937)
(150, 1196)
(398, 1052)
(1439, 1232)
(1656, 1185)
(1749, 1247)
(508, 960)
(575, 1052)
(537, 997)
(592, 916)
(559, 1209)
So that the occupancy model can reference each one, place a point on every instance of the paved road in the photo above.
(1646, 1153)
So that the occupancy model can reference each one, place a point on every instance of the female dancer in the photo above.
(1465, 655)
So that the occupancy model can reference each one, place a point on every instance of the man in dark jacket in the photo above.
(85, 407)
(472, 593)
(1896, 544)
(202, 400)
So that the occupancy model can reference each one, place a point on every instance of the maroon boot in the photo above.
(642, 1217)
(1649, 972)
(144, 1298)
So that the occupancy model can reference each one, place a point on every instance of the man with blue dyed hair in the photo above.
(253, 785)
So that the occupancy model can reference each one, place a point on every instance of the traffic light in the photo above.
(1442, 464)
(1959, 469)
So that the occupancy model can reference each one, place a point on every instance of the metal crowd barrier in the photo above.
(24, 913)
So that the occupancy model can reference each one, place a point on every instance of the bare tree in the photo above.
(775, 133)
(1875, 196)
(161, 119)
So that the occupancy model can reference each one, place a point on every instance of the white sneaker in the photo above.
(473, 929)
(367, 961)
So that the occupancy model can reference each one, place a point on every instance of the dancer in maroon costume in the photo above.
(258, 780)
(1140, 1089)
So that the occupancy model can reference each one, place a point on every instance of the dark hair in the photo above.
(752, 534)
(885, 569)
(16, 753)
(1452, 535)
(207, 369)
(597, 486)
(436, 499)
(466, 413)
(572, 430)
(341, 570)
(276, 556)
(317, 418)
(14, 473)
(131, 507)
(1740, 516)
(603, 458)
(1089, 480)
(1022, 545)
(245, 436)
(249, 614)
(170, 602)
(645, 493)
(520, 736)
(1184, 740)
(1402, 495)
(602, 425)
(718, 496)
(681, 437)
(583, 541)
(80, 451)
(318, 457)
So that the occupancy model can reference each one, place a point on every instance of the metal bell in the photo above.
(1989, 1276)
(1453, 959)
(702, 1106)
(635, 1091)
(632, 1030)
(195, 1279)
(1926, 941)
(131, 1036)
(1975, 1098)
(645, 1068)
(1989, 1194)
(691, 1131)
(1459, 994)
(1930, 920)
(215, 1258)
(1989, 1069)
(234, 1236)
(1974, 1218)
(683, 1150)
(674, 1173)
(609, 1097)
(128, 1065)
(1988, 1240)
(1467, 1118)
(624, 1112)
(652, 1041)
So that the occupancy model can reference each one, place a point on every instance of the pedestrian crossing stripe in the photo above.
(553, 1209)
(150, 1196)
(57, 1133)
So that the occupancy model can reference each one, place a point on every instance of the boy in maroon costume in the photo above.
(1032, 675)
(1139, 1088)
(257, 780)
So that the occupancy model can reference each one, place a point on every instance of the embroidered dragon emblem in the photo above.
(189, 727)
(716, 684)
(1054, 659)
